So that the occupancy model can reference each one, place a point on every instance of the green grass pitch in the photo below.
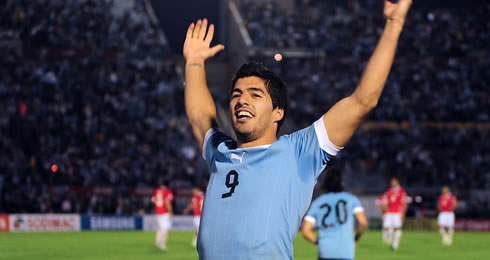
(137, 245)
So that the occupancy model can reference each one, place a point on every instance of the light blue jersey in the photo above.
(257, 196)
(333, 215)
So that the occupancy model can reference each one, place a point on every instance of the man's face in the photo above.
(251, 109)
(394, 183)
(445, 190)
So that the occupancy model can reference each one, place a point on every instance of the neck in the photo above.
(264, 140)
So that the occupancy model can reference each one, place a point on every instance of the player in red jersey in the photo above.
(382, 206)
(397, 206)
(162, 199)
(196, 207)
(446, 205)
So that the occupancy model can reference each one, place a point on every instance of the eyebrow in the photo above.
(248, 89)
(256, 89)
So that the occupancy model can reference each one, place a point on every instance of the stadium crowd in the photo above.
(441, 75)
(94, 93)
(99, 95)
(441, 72)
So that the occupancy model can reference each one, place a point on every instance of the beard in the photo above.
(245, 136)
(249, 135)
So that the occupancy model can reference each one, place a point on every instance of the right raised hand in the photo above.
(196, 45)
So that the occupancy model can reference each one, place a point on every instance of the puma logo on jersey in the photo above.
(235, 156)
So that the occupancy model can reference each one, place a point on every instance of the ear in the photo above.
(277, 114)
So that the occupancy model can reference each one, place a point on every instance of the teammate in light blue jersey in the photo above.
(261, 186)
(333, 215)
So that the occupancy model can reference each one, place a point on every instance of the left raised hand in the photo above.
(397, 11)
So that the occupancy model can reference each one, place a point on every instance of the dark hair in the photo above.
(275, 86)
(333, 180)
(163, 182)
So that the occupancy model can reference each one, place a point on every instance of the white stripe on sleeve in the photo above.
(321, 134)
(208, 135)
(310, 219)
(358, 209)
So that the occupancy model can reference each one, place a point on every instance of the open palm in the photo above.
(196, 45)
(397, 11)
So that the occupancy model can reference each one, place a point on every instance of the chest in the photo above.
(394, 196)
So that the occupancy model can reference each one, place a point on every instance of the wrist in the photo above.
(357, 237)
(394, 23)
(195, 61)
(393, 28)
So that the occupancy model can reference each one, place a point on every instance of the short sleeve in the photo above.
(311, 215)
(212, 139)
(170, 196)
(356, 205)
(312, 148)
(404, 196)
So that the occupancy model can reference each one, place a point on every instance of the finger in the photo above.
(202, 31)
(217, 49)
(209, 36)
(197, 28)
(190, 30)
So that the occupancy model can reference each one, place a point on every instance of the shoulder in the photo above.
(351, 196)
(215, 137)
(320, 200)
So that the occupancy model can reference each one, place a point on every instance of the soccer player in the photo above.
(447, 204)
(382, 205)
(397, 207)
(333, 214)
(162, 199)
(261, 186)
(196, 207)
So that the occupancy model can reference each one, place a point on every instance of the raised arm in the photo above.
(199, 104)
(343, 118)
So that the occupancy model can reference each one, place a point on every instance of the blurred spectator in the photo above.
(94, 93)
(98, 95)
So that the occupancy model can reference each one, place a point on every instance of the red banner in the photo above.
(4, 223)
(472, 225)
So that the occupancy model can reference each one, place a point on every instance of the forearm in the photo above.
(169, 208)
(199, 104)
(188, 209)
(362, 220)
(360, 231)
(374, 77)
(344, 117)
(310, 236)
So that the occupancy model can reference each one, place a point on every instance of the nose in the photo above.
(242, 100)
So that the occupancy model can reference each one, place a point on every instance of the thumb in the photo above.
(216, 49)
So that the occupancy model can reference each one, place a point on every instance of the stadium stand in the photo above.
(435, 102)
(99, 95)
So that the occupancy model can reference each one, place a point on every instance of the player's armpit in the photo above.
(342, 120)
(200, 126)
